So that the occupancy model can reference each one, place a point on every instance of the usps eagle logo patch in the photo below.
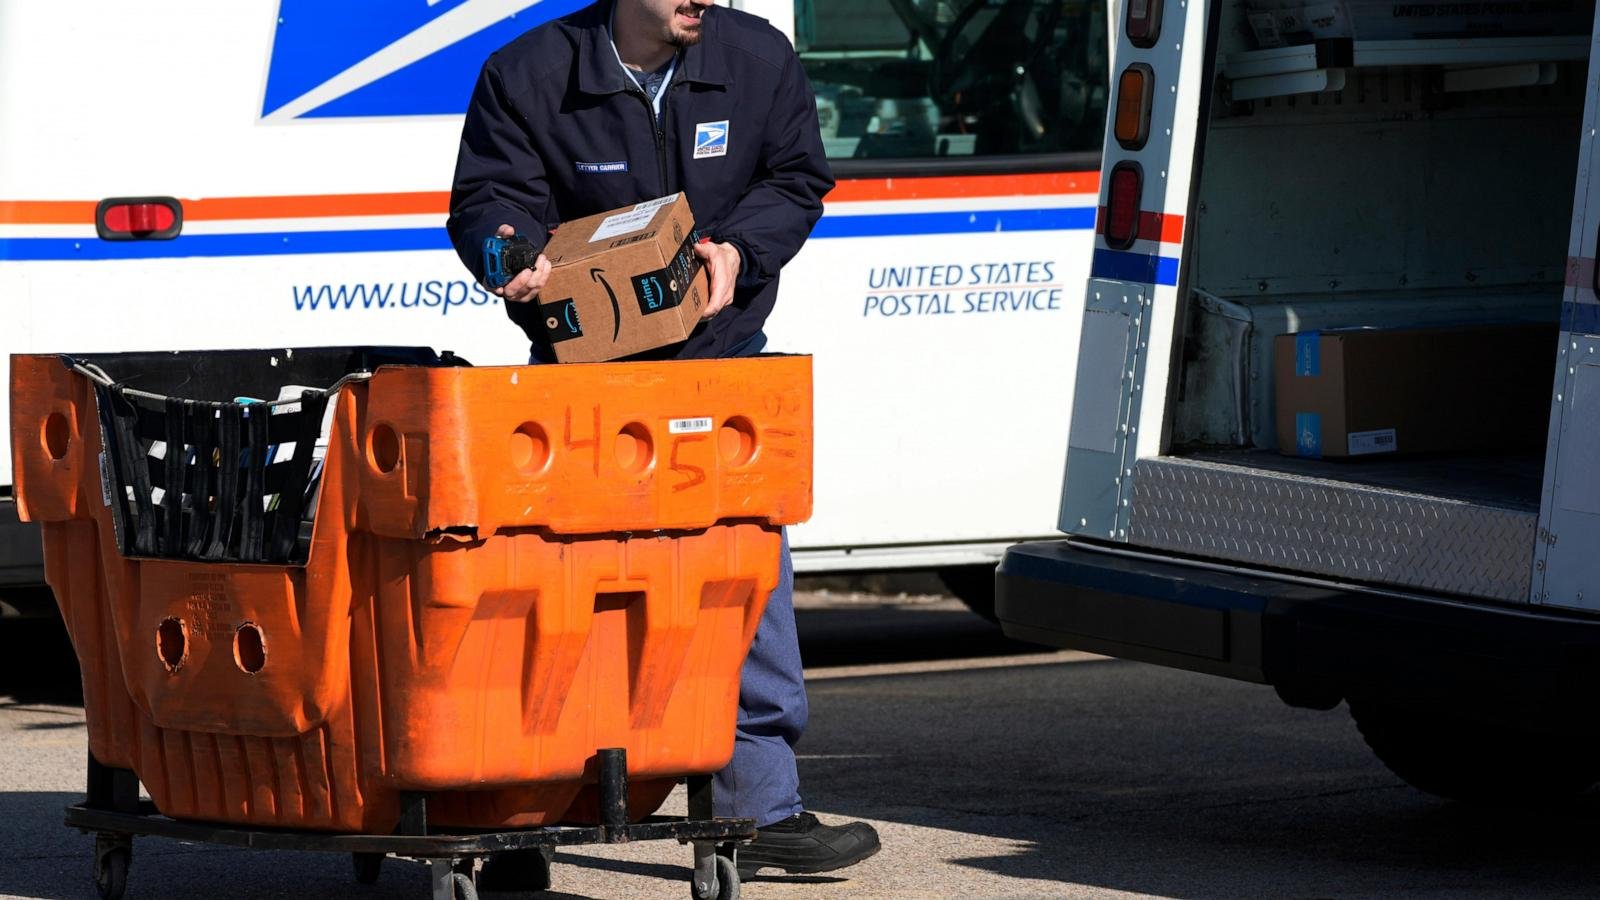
(711, 139)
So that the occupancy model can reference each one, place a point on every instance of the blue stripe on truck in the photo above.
(1581, 318)
(189, 245)
(279, 243)
(1145, 268)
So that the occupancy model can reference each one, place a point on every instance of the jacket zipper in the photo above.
(661, 136)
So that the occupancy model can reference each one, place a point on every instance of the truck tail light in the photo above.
(1143, 22)
(1134, 90)
(138, 219)
(1122, 206)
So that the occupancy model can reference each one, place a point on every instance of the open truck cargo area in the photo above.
(1338, 383)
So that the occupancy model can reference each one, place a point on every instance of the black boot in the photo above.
(800, 845)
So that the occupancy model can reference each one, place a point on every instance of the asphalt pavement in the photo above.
(992, 769)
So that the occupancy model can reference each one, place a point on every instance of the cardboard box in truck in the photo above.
(1361, 391)
(623, 282)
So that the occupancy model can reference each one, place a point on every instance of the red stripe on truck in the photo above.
(437, 203)
(1153, 226)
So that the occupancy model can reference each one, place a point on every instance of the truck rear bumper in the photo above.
(1314, 642)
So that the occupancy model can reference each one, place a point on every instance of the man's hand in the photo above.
(722, 268)
(529, 282)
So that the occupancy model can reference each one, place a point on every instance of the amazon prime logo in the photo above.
(561, 321)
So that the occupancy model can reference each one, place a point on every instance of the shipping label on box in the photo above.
(623, 282)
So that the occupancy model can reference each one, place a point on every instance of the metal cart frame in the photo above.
(114, 813)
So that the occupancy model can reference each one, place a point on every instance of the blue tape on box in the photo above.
(1308, 434)
(1308, 353)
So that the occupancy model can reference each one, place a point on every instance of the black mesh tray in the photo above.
(203, 461)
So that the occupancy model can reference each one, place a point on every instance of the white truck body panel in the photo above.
(926, 454)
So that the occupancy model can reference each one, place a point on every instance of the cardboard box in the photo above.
(1355, 392)
(623, 282)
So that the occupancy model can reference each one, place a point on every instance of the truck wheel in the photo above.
(974, 586)
(1471, 761)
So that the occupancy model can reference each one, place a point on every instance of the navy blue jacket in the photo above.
(557, 131)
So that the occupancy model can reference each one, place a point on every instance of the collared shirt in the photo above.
(652, 81)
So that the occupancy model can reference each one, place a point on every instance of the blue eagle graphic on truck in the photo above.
(334, 59)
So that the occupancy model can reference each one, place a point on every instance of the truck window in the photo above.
(918, 79)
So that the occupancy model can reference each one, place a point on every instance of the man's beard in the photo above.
(685, 37)
(682, 39)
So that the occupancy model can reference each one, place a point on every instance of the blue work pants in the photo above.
(762, 782)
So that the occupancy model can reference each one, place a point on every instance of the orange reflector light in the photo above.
(1144, 22)
(1122, 206)
(1134, 90)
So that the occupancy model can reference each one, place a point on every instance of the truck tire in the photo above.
(974, 586)
(1457, 758)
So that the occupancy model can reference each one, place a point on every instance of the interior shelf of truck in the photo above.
(1475, 63)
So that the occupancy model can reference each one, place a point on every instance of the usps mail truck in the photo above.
(1338, 379)
(186, 174)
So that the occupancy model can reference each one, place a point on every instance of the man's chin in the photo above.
(685, 37)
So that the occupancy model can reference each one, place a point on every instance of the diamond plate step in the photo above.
(1332, 528)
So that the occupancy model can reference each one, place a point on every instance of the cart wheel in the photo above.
(112, 856)
(727, 886)
(523, 871)
(464, 889)
(368, 867)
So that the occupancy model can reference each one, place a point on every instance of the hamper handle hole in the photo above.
(737, 441)
(635, 450)
(385, 449)
(530, 448)
(249, 648)
(57, 435)
(172, 643)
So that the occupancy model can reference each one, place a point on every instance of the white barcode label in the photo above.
(634, 219)
(689, 426)
(653, 205)
(622, 223)
(1381, 441)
